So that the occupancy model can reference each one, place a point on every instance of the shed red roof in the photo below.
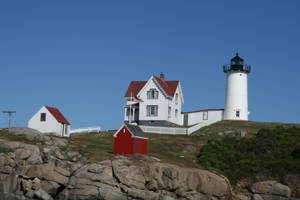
(168, 86)
(57, 115)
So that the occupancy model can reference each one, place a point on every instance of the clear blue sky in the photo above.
(80, 56)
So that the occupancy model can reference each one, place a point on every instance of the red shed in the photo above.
(130, 139)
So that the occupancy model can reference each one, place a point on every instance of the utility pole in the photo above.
(9, 117)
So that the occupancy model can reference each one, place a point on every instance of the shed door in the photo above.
(137, 145)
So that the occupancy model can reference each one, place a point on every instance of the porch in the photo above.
(132, 113)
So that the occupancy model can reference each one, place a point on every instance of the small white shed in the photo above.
(49, 119)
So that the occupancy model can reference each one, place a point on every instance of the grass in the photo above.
(96, 147)
(168, 148)
(250, 127)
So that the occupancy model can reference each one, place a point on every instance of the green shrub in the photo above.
(273, 153)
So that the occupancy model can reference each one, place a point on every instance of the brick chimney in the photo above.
(162, 76)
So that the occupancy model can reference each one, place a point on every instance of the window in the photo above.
(152, 110)
(169, 111)
(205, 115)
(43, 117)
(176, 112)
(152, 94)
(237, 113)
(176, 98)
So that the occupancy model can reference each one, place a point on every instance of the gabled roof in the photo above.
(57, 115)
(136, 131)
(135, 87)
(172, 86)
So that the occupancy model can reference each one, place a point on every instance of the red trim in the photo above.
(57, 115)
(202, 111)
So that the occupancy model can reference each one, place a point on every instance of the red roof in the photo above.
(202, 111)
(172, 86)
(168, 86)
(57, 115)
(134, 88)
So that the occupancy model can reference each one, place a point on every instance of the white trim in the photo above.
(160, 87)
(147, 83)
(157, 85)
(115, 135)
(132, 135)
(139, 137)
(180, 91)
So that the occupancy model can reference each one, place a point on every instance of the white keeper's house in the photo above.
(155, 102)
(158, 102)
(50, 120)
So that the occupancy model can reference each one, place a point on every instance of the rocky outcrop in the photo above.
(268, 190)
(46, 172)
(34, 135)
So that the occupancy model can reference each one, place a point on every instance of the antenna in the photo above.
(9, 117)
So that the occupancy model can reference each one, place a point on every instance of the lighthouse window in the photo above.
(237, 113)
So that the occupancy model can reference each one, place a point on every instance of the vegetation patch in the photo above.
(272, 153)
(236, 127)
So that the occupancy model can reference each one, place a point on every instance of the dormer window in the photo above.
(152, 94)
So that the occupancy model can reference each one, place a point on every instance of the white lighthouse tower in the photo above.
(236, 104)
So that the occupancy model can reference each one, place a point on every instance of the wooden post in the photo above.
(9, 117)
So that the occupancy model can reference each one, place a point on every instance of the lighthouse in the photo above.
(236, 103)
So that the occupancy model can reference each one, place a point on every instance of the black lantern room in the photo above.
(237, 64)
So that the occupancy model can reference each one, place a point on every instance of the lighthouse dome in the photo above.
(237, 65)
(237, 61)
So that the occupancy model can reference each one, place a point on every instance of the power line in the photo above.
(9, 117)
